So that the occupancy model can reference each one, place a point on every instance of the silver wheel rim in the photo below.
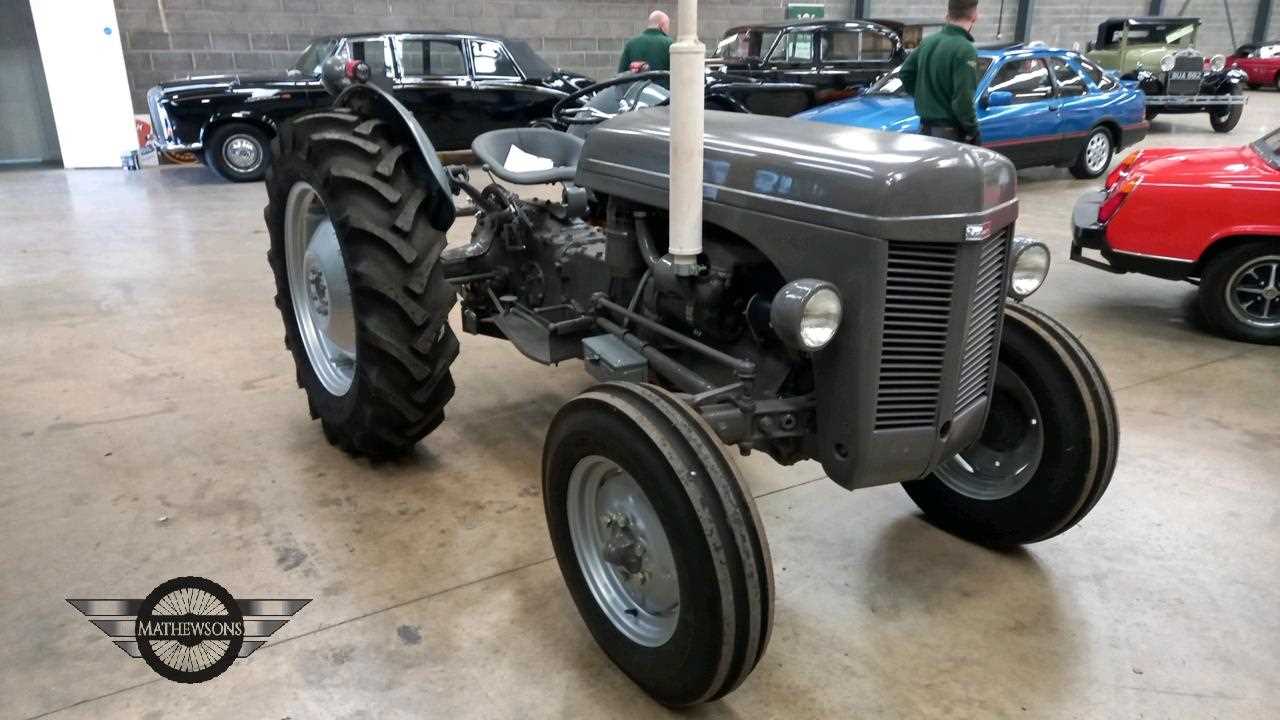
(319, 289)
(623, 551)
(1097, 152)
(1008, 454)
(1253, 292)
(242, 152)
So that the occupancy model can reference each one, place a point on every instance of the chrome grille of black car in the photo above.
(918, 292)
(984, 319)
(1191, 65)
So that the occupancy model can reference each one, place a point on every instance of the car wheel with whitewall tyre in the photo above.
(364, 303)
(658, 541)
(1240, 292)
(1095, 155)
(1047, 451)
(239, 152)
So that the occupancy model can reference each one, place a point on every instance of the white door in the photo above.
(88, 89)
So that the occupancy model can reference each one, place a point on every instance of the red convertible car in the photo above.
(1210, 216)
(1260, 61)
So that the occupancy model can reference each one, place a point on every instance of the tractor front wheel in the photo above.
(658, 541)
(364, 302)
(1048, 448)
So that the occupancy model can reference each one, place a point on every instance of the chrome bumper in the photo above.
(176, 147)
(161, 130)
(1196, 99)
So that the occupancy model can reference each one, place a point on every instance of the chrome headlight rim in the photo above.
(806, 314)
(1218, 63)
(1167, 62)
(1029, 262)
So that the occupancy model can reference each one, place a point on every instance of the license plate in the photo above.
(1184, 75)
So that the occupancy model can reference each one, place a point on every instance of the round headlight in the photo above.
(1030, 267)
(1166, 63)
(806, 313)
(820, 319)
(1218, 63)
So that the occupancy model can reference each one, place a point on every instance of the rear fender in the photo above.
(372, 101)
(250, 117)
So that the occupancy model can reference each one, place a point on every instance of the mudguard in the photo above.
(373, 101)
(1218, 83)
(245, 116)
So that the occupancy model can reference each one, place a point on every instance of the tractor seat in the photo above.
(529, 156)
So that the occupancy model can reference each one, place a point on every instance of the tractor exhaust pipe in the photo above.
(687, 99)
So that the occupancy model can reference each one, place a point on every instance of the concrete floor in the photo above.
(150, 428)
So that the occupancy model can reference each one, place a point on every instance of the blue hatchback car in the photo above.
(1036, 105)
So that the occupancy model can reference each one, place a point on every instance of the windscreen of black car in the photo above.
(891, 84)
(529, 61)
(310, 60)
(1070, 81)
(1028, 80)
(1268, 146)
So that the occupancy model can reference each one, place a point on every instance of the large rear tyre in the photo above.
(1224, 121)
(364, 302)
(1047, 451)
(658, 541)
(1240, 292)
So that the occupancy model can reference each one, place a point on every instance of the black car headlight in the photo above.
(1218, 63)
(806, 313)
(1029, 267)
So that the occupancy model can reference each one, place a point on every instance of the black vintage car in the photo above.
(459, 85)
(838, 57)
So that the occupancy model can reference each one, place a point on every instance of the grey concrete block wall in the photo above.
(216, 36)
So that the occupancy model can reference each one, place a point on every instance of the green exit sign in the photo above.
(800, 11)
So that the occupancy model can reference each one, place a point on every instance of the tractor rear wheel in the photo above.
(658, 540)
(1048, 448)
(364, 302)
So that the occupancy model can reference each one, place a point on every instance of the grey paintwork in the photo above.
(885, 185)
(823, 202)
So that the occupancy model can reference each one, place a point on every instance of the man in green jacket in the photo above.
(651, 49)
(942, 76)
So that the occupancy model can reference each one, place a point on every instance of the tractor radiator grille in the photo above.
(982, 324)
(918, 292)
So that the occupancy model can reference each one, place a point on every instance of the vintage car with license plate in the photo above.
(1160, 53)
(1207, 215)
(459, 85)
(1036, 105)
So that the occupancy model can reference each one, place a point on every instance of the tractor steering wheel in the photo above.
(568, 112)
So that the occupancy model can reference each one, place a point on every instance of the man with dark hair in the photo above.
(651, 49)
(942, 75)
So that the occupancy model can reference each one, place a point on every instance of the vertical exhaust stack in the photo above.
(687, 90)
